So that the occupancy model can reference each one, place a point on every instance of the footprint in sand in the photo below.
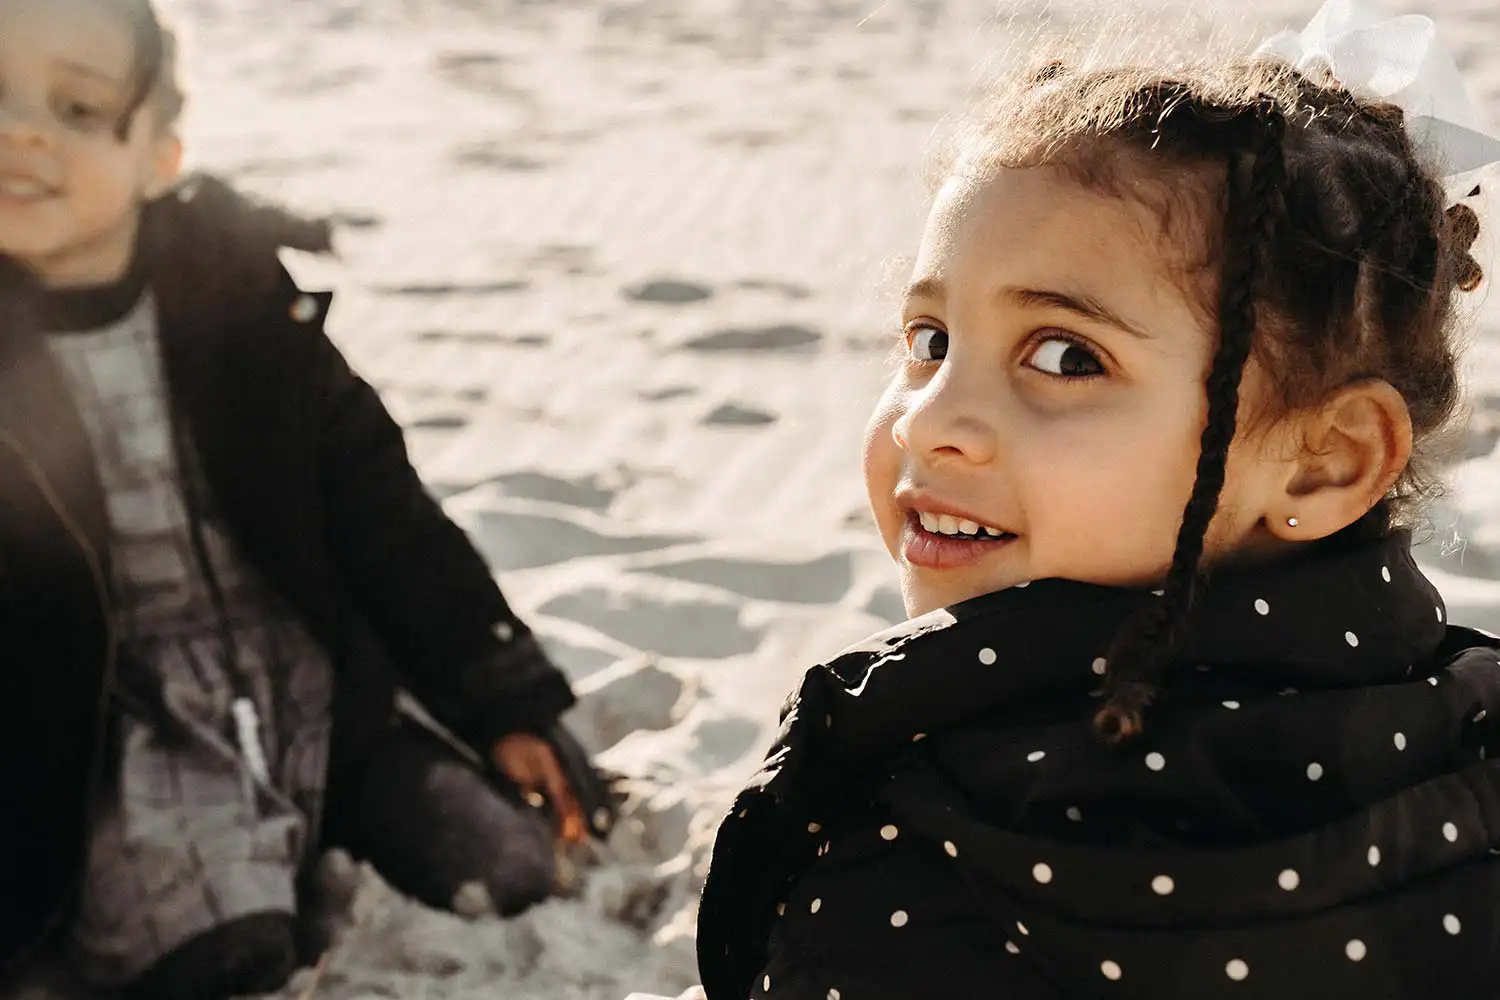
(439, 422)
(668, 291)
(669, 393)
(734, 415)
(485, 338)
(721, 742)
(433, 289)
(679, 628)
(886, 604)
(513, 541)
(496, 155)
(587, 492)
(354, 219)
(578, 662)
(781, 337)
(631, 696)
(483, 73)
(820, 581)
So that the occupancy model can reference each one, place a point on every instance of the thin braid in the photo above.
(1144, 649)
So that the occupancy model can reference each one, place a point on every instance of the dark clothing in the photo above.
(1309, 813)
(431, 823)
(310, 473)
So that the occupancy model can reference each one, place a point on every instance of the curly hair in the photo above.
(1336, 261)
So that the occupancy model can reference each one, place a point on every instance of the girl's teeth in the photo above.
(946, 524)
(18, 188)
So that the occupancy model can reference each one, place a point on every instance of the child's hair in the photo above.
(155, 79)
(1337, 259)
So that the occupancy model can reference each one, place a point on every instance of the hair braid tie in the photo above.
(1145, 646)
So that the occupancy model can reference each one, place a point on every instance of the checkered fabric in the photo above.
(185, 837)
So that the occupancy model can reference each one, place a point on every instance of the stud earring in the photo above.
(1291, 522)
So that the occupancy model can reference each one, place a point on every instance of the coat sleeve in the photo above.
(415, 574)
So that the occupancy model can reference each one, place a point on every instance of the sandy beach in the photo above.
(624, 271)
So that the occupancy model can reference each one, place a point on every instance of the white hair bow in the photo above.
(1400, 61)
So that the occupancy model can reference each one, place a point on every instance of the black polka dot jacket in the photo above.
(1310, 813)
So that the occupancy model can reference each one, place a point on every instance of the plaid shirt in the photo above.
(186, 838)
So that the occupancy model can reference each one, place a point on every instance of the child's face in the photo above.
(1052, 389)
(70, 189)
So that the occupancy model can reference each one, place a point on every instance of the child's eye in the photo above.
(926, 343)
(81, 113)
(1065, 358)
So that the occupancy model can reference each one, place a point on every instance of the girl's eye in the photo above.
(79, 113)
(927, 343)
(1063, 358)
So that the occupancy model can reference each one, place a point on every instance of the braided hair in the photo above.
(1137, 662)
(1336, 261)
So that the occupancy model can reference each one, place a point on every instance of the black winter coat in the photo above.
(1310, 813)
(311, 474)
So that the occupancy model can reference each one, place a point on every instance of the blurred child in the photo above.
(217, 566)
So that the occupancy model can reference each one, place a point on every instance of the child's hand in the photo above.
(529, 761)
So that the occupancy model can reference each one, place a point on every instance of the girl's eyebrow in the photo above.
(1078, 303)
(82, 69)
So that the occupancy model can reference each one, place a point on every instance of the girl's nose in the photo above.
(949, 421)
(21, 128)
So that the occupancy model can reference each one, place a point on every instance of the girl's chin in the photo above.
(922, 593)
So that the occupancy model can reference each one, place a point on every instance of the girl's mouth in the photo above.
(941, 541)
(14, 188)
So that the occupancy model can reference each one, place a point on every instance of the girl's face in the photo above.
(1049, 399)
(70, 189)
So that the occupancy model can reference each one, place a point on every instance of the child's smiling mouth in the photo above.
(21, 188)
(934, 540)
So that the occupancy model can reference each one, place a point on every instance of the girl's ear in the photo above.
(166, 165)
(1355, 447)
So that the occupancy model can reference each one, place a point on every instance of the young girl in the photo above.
(217, 566)
(1177, 715)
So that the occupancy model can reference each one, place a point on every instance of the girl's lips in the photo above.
(929, 550)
